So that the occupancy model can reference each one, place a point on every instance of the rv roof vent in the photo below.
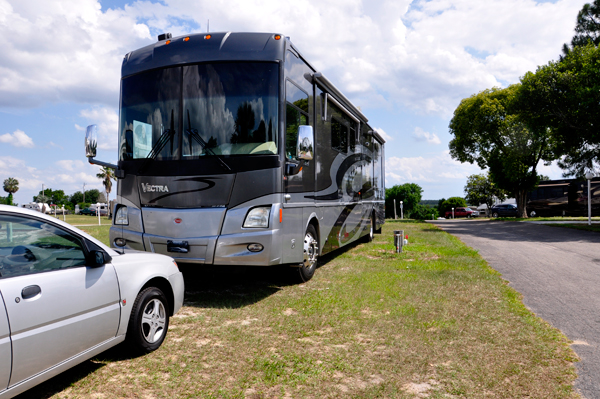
(164, 36)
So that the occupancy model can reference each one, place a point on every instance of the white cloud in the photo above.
(8, 165)
(383, 134)
(421, 135)
(417, 53)
(107, 120)
(70, 165)
(18, 139)
(426, 170)
(63, 50)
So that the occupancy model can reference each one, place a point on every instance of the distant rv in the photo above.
(568, 197)
(38, 206)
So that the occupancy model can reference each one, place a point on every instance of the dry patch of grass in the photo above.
(432, 322)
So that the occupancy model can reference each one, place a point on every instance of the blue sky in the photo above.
(406, 64)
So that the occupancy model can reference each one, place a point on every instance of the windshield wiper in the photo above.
(165, 137)
(194, 134)
(158, 147)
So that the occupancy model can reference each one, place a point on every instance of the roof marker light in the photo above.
(167, 42)
(277, 37)
(185, 39)
(207, 37)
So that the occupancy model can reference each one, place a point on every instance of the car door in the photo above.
(57, 306)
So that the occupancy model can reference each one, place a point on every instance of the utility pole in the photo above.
(84, 193)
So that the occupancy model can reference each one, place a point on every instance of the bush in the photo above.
(423, 212)
(409, 193)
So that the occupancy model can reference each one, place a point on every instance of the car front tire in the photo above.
(495, 214)
(149, 321)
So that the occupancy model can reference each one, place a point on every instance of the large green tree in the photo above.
(480, 189)
(563, 98)
(11, 186)
(490, 130)
(56, 197)
(91, 197)
(408, 193)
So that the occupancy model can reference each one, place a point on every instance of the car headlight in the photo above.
(258, 217)
(121, 216)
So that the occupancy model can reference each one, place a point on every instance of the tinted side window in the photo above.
(293, 119)
(30, 246)
(296, 115)
(339, 136)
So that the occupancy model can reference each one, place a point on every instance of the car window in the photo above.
(30, 246)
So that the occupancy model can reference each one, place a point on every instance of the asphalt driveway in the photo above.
(558, 272)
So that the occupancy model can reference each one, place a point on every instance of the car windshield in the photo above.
(216, 109)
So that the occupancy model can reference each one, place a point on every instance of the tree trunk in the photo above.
(521, 197)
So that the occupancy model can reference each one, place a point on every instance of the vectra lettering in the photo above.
(154, 188)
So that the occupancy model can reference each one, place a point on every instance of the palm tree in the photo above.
(11, 186)
(107, 175)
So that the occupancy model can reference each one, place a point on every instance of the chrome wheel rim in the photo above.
(154, 318)
(311, 251)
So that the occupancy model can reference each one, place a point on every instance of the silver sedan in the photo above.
(65, 297)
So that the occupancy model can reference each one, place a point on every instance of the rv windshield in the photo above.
(216, 109)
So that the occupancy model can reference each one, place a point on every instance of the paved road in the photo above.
(558, 272)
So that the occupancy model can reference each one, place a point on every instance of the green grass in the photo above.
(434, 321)
(99, 232)
(78, 220)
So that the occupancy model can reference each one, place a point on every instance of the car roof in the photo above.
(50, 219)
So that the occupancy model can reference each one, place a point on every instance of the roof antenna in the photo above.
(207, 25)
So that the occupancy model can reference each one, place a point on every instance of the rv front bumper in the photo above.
(234, 249)
(229, 249)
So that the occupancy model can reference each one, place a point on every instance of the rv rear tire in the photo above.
(371, 235)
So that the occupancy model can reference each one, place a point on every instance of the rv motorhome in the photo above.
(235, 150)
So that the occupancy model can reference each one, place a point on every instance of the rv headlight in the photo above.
(258, 217)
(121, 216)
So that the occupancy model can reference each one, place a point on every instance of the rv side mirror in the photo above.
(91, 141)
(305, 147)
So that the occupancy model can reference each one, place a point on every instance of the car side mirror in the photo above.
(99, 258)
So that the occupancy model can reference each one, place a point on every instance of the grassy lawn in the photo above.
(78, 220)
(434, 321)
(98, 232)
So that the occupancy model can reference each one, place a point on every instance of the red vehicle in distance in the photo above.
(460, 212)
